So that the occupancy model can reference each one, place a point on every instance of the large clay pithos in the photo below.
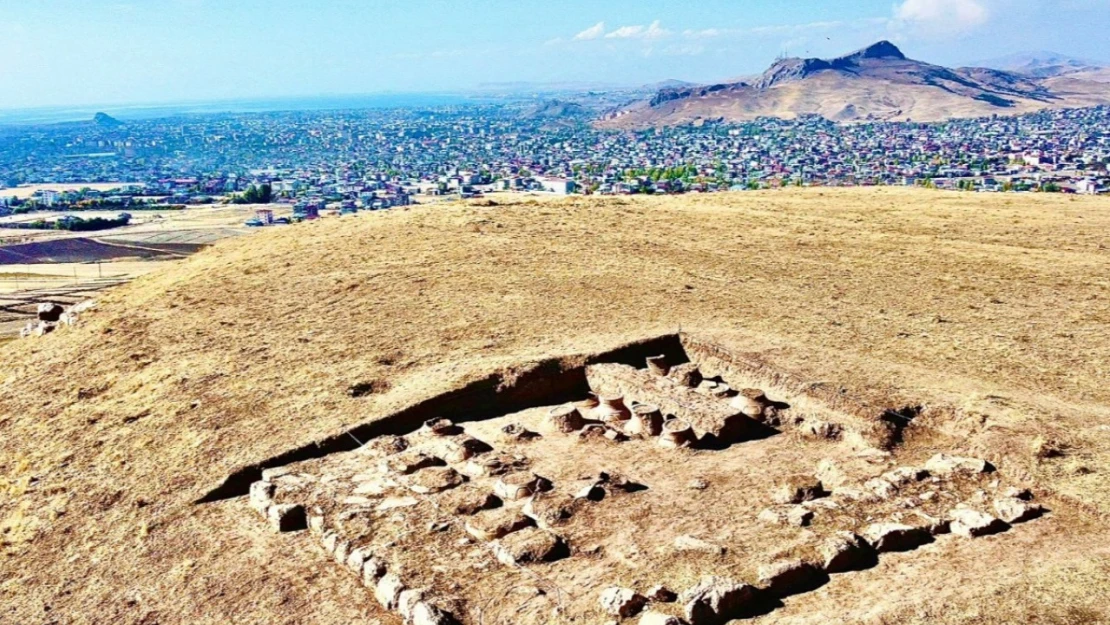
(657, 365)
(611, 409)
(750, 402)
(677, 433)
(687, 375)
(564, 420)
(586, 406)
(646, 420)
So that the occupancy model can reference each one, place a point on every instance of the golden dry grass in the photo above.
(995, 308)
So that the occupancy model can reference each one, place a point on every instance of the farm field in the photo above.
(982, 321)
(36, 266)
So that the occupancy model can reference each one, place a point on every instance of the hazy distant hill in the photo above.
(555, 109)
(878, 82)
(106, 120)
(1042, 64)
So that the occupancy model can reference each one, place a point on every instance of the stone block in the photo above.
(789, 577)
(944, 465)
(551, 510)
(383, 446)
(357, 558)
(793, 516)
(388, 591)
(1015, 510)
(262, 496)
(342, 550)
(519, 485)
(409, 461)
(493, 465)
(824, 430)
(831, 474)
(287, 517)
(424, 613)
(50, 312)
(494, 524)
(467, 499)
(888, 537)
(971, 523)
(622, 602)
(717, 600)
(846, 551)
(529, 546)
(373, 570)
(406, 603)
(662, 594)
(905, 476)
(433, 480)
(881, 488)
(658, 618)
(796, 489)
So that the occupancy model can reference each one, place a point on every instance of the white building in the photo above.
(558, 186)
(1087, 186)
(48, 198)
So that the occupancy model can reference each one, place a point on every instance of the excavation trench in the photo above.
(547, 382)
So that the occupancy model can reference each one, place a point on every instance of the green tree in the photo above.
(255, 195)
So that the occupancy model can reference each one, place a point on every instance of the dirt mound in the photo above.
(979, 320)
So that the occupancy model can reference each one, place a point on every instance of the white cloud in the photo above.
(708, 33)
(785, 29)
(686, 49)
(656, 31)
(942, 16)
(651, 32)
(626, 32)
(593, 32)
(793, 29)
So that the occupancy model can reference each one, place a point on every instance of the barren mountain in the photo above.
(878, 82)
(969, 325)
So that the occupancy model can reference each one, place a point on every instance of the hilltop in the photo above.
(878, 82)
(988, 313)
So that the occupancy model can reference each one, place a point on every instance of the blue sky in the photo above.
(80, 52)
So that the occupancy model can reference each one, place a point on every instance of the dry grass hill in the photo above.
(990, 312)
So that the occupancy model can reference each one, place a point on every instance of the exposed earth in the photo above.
(978, 323)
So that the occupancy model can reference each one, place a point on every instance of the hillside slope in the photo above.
(996, 306)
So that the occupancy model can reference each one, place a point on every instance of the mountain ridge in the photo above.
(877, 82)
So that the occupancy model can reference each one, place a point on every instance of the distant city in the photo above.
(384, 157)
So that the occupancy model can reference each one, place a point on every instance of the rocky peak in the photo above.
(881, 50)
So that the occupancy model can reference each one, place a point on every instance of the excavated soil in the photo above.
(985, 318)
